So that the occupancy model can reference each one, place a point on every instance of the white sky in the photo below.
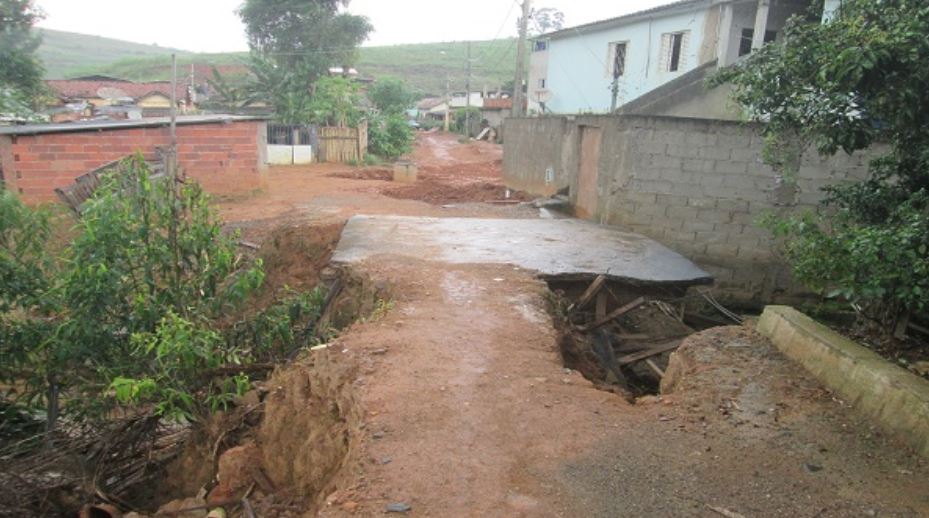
(212, 26)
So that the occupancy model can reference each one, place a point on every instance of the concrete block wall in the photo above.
(226, 158)
(697, 186)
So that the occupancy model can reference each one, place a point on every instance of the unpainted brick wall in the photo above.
(697, 186)
(224, 157)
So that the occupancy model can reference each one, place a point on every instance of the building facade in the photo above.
(600, 66)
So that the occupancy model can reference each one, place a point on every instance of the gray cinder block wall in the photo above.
(698, 186)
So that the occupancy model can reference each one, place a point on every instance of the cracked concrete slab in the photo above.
(564, 249)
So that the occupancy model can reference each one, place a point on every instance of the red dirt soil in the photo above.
(466, 409)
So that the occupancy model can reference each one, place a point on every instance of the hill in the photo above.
(424, 66)
(64, 51)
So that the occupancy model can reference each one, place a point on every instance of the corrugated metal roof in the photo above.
(38, 129)
(680, 5)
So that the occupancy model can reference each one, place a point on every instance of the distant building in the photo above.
(152, 99)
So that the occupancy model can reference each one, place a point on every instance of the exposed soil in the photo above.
(453, 399)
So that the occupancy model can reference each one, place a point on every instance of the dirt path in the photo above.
(469, 412)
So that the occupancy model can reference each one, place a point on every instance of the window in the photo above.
(745, 43)
(619, 60)
(541, 83)
(677, 40)
(539, 45)
(616, 60)
(674, 51)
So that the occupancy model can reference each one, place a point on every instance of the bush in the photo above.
(826, 84)
(130, 313)
(390, 136)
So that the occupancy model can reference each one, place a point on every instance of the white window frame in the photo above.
(611, 56)
(667, 51)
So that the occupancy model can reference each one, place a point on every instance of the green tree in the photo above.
(294, 43)
(335, 102)
(842, 86)
(391, 95)
(19, 67)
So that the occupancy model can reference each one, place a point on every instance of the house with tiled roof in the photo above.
(152, 98)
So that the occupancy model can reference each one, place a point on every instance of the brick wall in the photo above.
(226, 157)
(697, 186)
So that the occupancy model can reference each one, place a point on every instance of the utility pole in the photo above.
(468, 95)
(448, 100)
(518, 99)
(172, 155)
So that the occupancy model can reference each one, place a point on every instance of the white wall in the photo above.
(538, 70)
(577, 74)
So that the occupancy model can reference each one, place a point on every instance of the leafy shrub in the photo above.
(132, 308)
(390, 136)
(826, 84)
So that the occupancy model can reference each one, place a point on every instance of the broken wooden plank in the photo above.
(654, 367)
(648, 353)
(631, 336)
(600, 306)
(588, 293)
(616, 313)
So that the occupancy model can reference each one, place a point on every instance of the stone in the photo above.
(234, 472)
(921, 368)
(172, 508)
(350, 506)
(399, 507)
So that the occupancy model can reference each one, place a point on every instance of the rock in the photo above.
(172, 508)
(399, 507)
(921, 368)
(133, 514)
(378, 435)
(812, 468)
(217, 512)
(234, 473)
(350, 506)
(647, 400)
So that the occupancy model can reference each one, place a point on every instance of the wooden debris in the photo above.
(249, 244)
(589, 293)
(654, 367)
(648, 353)
(616, 313)
(600, 310)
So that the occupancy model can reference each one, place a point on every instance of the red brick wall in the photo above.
(224, 157)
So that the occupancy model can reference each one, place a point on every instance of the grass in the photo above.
(62, 52)
(425, 67)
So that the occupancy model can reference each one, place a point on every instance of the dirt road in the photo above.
(468, 411)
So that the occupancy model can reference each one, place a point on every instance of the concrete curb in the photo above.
(897, 399)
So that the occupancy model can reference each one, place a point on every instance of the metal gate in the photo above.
(291, 143)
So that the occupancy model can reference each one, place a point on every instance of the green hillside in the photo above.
(424, 66)
(64, 51)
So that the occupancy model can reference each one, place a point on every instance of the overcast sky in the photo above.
(212, 26)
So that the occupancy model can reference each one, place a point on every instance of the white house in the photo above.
(606, 64)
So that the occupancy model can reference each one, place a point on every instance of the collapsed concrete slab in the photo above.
(563, 249)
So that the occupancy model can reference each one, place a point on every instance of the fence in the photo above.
(296, 143)
(343, 144)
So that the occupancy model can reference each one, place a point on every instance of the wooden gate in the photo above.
(343, 144)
